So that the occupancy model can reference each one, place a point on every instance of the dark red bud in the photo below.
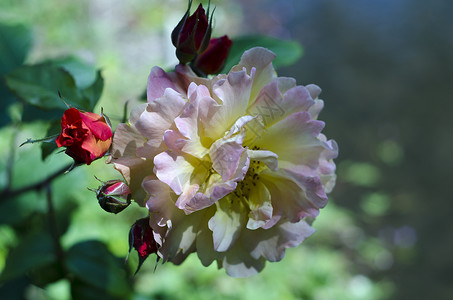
(212, 60)
(141, 238)
(192, 34)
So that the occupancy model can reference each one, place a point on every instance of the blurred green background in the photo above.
(386, 70)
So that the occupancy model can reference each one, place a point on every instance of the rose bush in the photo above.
(86, 136)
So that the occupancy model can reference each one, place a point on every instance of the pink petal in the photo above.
(158, 82)
(227, 223)
(157, 118)
(226, 155)
(173, 170)
(288, 198)
(133, 168)
(260, 206)
(274, 104)
(294, 139)
(160, 202)
(233, 93)
(188, 122)
(268, 157)
(271, 243)
(260, 59)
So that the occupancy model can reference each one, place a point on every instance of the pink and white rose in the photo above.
(228, 167)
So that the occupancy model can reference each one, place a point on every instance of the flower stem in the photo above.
(6, 193)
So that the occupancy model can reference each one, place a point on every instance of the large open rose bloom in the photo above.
(228, 167)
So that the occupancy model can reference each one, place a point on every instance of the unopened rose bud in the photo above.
(192, 34)
(141, 238)
(86, 136)
(113, 196)
(212, 60)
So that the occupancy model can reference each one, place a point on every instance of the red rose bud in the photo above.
(141, 238)
(113, 196)
(192, 34)
(212, 60)
(86, 135)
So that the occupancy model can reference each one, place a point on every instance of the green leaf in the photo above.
(95, 266)
(47, 274)
(288, 52)
(48, 148)
(39, 85)
(82, 290)
(32, 252)
(84, 74)
(15, 42)
(14, 289)
(93, 93)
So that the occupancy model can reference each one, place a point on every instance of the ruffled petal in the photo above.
(157, 118)
(271, 243)
(97, 125)
(226, 156)
(160, 202)
(188, 122)
(174, 170)
(274, 104)
(289, 200)
(269, 158)
(257, 60)
(294, 139)
(159, 81)
(123, 155)
(233, 94)
(260, 206)
(227, 223)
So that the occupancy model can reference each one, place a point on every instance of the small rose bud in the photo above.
(141, 238)
(212, 60)
(192, 34)
(86, 136)
(113, 196)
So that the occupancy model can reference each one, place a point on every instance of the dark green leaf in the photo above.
(39, 85)
(44, 275)
(84, 74)
(22, 207)
(14, 289)
(32, 252)
(31, 114)
(82, 290)
(94, 265)
(15, 42)
(94, 92)
(288, 52)
(48, 148)
(64, 214)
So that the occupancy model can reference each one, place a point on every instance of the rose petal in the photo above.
(294, 139)
(260, 59)
(271, 243)
(260, 205)
(227, 223)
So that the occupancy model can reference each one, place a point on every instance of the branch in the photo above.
(6, 193)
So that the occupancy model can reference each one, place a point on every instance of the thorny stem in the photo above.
(6, 193)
